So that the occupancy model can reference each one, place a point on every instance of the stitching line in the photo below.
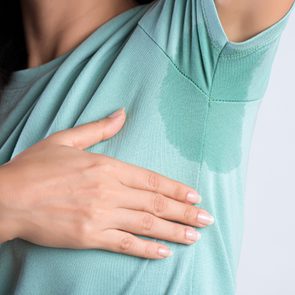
(236, 101)
(190, 79)
(238, 55)
(248, 51)
(213, 41)
(203, 145)
(203, 142)
(178, 69)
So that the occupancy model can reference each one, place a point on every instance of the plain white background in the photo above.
(267, 263)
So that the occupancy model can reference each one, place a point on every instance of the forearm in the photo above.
(8, 218)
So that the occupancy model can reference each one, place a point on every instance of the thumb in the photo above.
(86, 135)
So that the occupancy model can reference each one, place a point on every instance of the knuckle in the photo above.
(147, 222)
(126, 243)
(54, 138)
(178, 193)
(82, 230)
(103, 123)
(97, 159)
(190, 213)
(102, 126)
(153, 181)
(86, 214)
(74, 141)
(102, 133)
(107, 162)
(159, 203)
(106, 168)
(178, 231)
(148, 250)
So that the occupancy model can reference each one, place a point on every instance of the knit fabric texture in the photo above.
(191, 97)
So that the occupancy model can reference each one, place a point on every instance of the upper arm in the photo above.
(243, 19)
(191, 34)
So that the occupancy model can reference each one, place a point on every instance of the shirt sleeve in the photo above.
(243, 68)
(190, 33)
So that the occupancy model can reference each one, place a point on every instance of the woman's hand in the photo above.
(57, 195)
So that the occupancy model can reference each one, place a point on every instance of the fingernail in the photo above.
(192, 234)
(193, 197)
(117, 113)
(165, 252)
(205, 218)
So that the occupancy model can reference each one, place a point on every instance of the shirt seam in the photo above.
(204, 136)
(206, 117)
(208, 96)
(241, 52)
(211, 98)
(212, 40)
(174, 64)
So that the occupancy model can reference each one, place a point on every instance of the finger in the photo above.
(147, 224)
(161, 206)
(86, 135)
(126, 243)
(146, 179)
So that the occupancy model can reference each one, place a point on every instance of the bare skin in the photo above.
(243, 19)
(52, 28)
(58, 195)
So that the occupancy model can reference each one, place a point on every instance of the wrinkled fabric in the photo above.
(191, 98)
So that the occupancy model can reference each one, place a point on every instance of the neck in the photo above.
(54, 27)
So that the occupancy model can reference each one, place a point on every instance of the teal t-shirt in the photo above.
(191, 98)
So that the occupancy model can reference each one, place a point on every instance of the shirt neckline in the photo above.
(27, 74)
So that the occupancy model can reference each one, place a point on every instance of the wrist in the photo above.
(8, 217)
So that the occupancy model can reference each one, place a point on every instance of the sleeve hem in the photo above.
(220, 40)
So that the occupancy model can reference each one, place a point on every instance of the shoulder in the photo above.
(177, 27)
(199, 38)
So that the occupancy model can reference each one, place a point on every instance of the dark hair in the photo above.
(12, 44)
(13, 53)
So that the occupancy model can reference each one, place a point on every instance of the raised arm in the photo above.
(243, 19)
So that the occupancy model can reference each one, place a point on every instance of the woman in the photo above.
(191, 83)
